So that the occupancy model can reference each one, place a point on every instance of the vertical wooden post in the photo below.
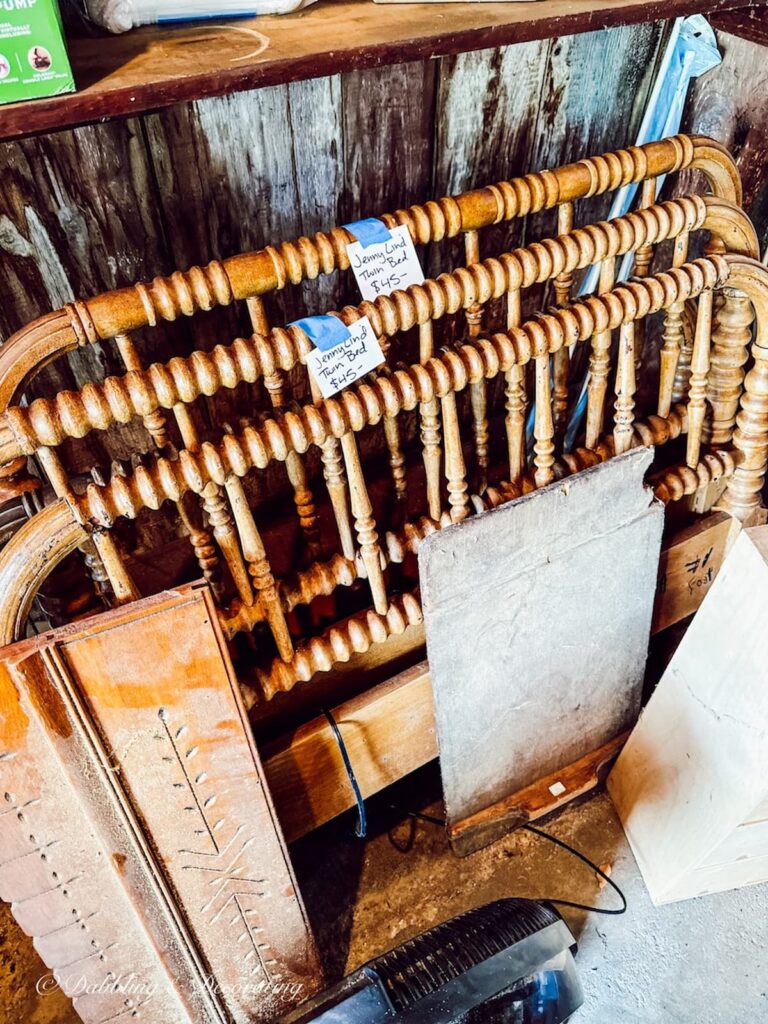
(455, 470)
(599, 364)
(157, 426)
(396, 457)
(303, 498)
(219, 515)
(697, 389)
(102, 550)
(673, 335)
(543, 428)
(644, 254)
(515, 399)
(561, 358)
(731, 337)
(750, 438)
(625, 389)
(477, 391)
(155, 422)
(201, 540)
(335, 482)
(365, 524)
(430, 429)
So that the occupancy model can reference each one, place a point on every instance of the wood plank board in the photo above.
(154, 67)
(689, 565)
(183, 770)
(388, 731)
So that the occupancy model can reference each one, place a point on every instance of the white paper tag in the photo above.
(342, 365)
(383, 267)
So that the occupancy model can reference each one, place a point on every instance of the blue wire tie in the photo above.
(362, 825)
(325, 331)
(369, 231)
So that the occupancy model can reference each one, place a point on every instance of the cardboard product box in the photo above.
(33, 54)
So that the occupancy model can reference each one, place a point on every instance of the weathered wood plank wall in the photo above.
(97, 207)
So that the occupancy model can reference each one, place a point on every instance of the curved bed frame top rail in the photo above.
(251, 274)
(58, 529)
(47, 422)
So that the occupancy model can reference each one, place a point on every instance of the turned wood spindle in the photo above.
(190, 513)
(642, 260)
(478, 395)
(258, 565)
(335, 482)
(561, 359)
(641, 264)
(303, 499)
(543, 426)
(154, 422)
(683, 369)
(396, 457)
(624, 416)
(731, 337)
(514, 392)
(157, 426)
(218, 514)
(365, 525)
(429, 413)
(455, 469)
(599, 364)
(673, 335)
(742, 497)
(101, 553)
(697, 388)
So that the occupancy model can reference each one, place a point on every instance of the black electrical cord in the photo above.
(362, 824)
(432, 820)
(362, 827)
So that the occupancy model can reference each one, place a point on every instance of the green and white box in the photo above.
(33, 54)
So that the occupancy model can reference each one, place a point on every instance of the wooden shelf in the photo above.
(748, 22)
(152, 68)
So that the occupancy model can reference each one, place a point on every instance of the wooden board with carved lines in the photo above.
(151, 717)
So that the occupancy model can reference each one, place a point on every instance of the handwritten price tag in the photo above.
(337, 367)
(382, 267)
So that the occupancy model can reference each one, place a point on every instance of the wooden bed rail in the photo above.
(252, 274)
(125, 495)
(226, 527)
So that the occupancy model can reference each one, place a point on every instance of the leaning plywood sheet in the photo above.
(537, 618)
(172, 786)
(691, 785)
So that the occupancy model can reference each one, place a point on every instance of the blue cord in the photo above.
(362, 824)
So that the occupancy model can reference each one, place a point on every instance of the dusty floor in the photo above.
(699, 962)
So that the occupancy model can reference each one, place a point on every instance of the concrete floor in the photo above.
(699, 962)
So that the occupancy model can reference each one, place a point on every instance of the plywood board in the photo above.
(537, 618)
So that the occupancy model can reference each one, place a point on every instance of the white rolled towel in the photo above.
(122, 15)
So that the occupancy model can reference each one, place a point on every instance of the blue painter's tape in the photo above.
(326, 331)
(369, 231)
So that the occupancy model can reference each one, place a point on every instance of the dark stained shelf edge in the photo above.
(152, 68)
(748, 22)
